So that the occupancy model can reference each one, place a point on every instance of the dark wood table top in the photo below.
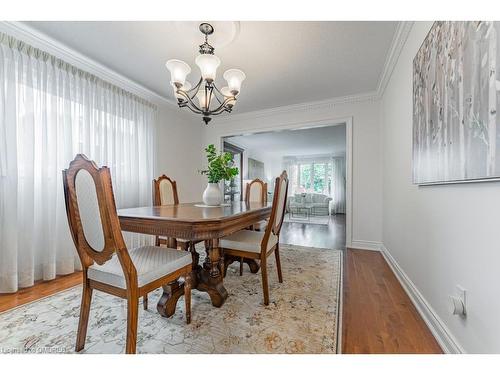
(188, 221)
(194, 223)
(190, 213)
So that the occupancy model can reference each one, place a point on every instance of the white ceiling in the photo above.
(285, 62)
(303, 142)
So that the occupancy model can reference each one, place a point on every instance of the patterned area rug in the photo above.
(302, 316)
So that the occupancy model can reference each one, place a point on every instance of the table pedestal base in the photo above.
(168, 301)
(213, 286)
(207, 279)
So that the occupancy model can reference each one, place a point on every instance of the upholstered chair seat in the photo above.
(255, 191)
(254, 245)
(248, 240)
(151, 263)
(107, 264)
(260, 225)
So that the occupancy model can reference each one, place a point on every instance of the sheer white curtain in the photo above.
(50, 111)
(291, 167)
(339, 184)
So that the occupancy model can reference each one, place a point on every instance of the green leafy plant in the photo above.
(220, 166)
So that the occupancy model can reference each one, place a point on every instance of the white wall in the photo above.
(273, 163)
(179, 150)
(367, 168)
(440, 235)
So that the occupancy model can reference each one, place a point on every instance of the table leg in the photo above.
(210, 278)
(172, 243)
(196, 267)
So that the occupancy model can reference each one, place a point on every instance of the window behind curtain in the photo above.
(312, 177)
(49, 112)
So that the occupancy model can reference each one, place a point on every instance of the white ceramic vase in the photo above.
(212, 195)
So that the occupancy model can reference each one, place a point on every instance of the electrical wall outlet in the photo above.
(461, 292)
(458, 302)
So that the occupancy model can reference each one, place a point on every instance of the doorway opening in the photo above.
(316, 160)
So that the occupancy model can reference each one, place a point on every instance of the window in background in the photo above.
(305, 177)
(318, 174)
(320, 178)
(312, 177)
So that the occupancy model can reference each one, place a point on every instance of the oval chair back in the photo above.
(91, 212)
(278, 209)
(164, 191)
(96, 231)
(256, 191)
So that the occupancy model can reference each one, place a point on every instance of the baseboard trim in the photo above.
(365, 245)
(438, 328)
(340, 313)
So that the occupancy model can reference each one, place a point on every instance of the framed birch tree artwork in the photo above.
(456, 96)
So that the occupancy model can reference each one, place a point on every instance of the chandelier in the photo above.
(211, 100)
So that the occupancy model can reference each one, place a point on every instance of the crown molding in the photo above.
(302, 107)
(42, 41)
(398, 42)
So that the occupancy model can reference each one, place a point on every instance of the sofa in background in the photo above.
(320, 204)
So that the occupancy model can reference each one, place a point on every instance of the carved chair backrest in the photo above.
(164, 191)
(91, 212)
(256, 191)
(278, 209)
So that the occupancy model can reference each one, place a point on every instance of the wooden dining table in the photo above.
(191, 221)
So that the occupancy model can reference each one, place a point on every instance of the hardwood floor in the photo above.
(378, 316)
(331, 236)
(39, 290)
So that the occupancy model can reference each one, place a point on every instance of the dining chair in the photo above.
(165, 193)
(259, 245)
(256, 191)
(108, 265)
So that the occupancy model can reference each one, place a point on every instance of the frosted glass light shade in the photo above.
(234, 78)
(208, 65)
(178, 71)
(202, 99)
(226, 92)
(185, 87)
